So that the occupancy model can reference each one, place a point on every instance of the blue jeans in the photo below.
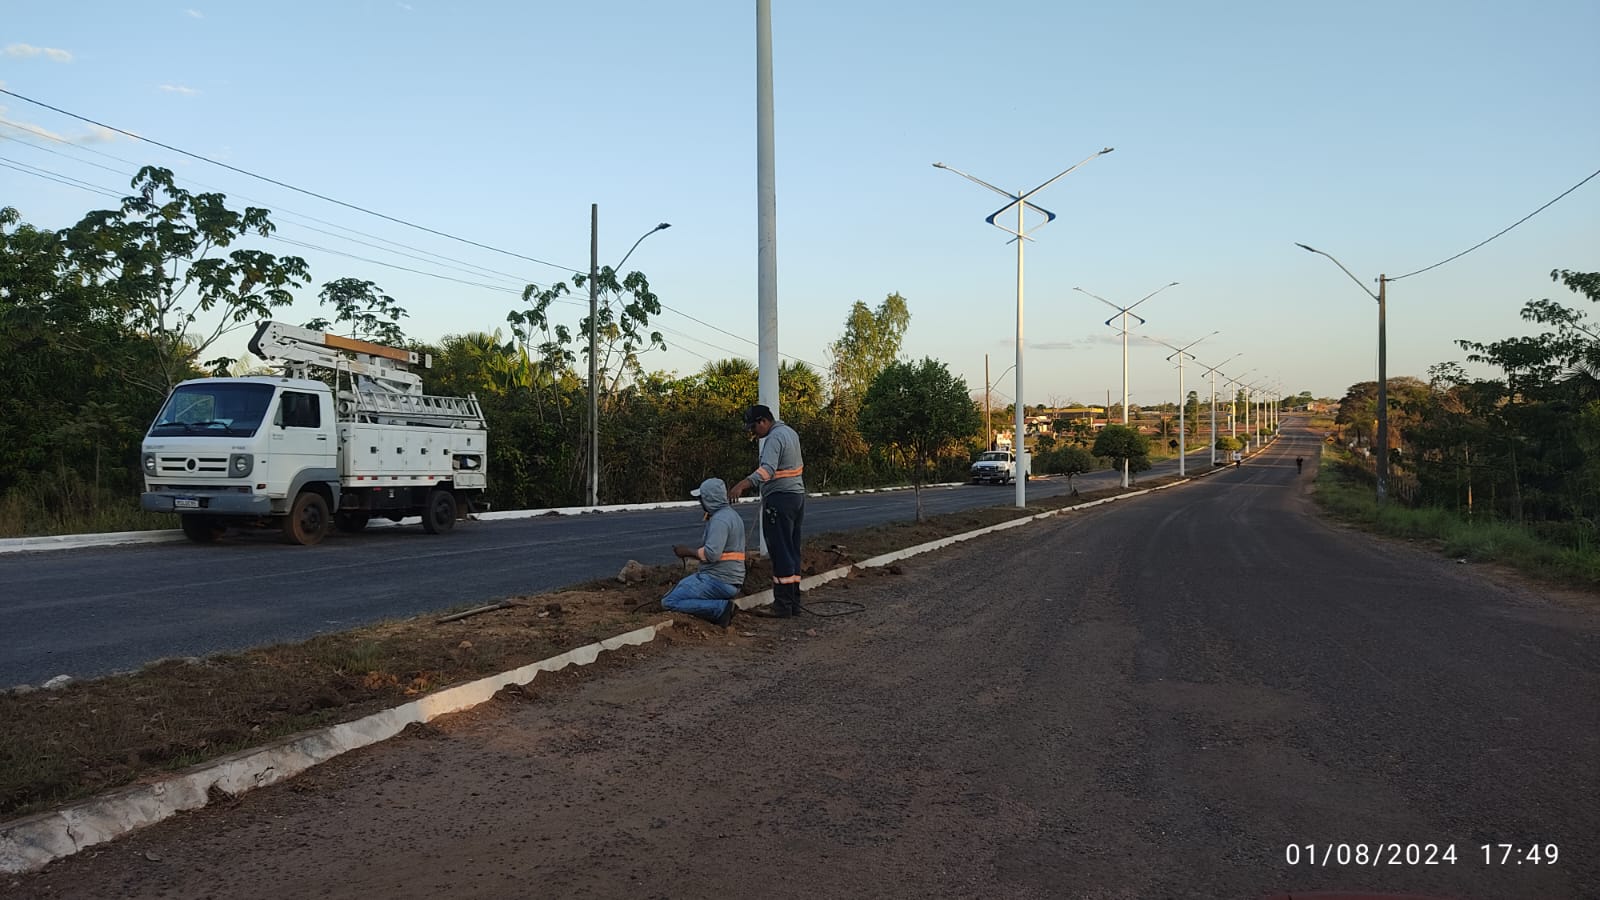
(701, 595)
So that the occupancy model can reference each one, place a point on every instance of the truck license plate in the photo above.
(185, 503)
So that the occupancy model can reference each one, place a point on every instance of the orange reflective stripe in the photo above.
(731, 554)
(789, 473)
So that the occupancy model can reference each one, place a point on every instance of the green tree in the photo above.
(919, 411)
(1120, 443)
(871, 341)
(65, 359)
(150, 264)
(1070, 460)
(370, 314)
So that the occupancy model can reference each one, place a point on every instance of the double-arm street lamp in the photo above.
(594, 325)
(1180, 353)
(1124, 312)
(1383, 371)
(1019, 234)
(1211, 371)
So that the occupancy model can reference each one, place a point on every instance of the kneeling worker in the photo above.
(709, 592)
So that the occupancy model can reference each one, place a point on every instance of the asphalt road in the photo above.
(1145, 700)
(92, 612)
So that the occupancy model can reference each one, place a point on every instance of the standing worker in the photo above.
(709, 592)
(1299, 464)
(783, 505)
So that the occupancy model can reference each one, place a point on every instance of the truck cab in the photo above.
(230, 448)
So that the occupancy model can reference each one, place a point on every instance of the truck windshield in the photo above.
(227, 409)
(992, 456)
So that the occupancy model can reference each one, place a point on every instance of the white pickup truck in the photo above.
(994, 467)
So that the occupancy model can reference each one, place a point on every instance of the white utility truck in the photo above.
(302, 453)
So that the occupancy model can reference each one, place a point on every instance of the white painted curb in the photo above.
(29, 843)
(115, 538)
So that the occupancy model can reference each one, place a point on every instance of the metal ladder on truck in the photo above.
(388, 407)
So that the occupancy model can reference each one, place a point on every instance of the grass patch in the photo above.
(61, 745)
(1350, 500)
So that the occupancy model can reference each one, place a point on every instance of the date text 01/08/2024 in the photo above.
(1395, 854)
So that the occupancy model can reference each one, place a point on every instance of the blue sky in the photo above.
(1391, 135)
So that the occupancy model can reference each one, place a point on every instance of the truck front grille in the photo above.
(191, 465)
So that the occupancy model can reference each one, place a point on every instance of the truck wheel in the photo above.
(440, 516)
(351, 522)
(201, 529)
(307, 522)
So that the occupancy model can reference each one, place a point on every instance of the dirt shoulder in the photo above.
(92, 736)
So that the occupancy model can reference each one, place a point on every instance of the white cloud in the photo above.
(96, 135)
(194, 14)
(28, 51)
(179, 89)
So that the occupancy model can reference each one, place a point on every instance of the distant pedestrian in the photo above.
(783, 504)
(1299, 464)
(709, 592)
(1237, 458)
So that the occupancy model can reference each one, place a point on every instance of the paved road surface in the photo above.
(1150, 700)
(95, 611)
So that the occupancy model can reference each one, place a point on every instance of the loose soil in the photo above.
(91, 736)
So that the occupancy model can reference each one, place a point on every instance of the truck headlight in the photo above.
(240, 465)
(149, 463)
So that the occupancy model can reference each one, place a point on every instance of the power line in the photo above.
(279, 210)
(282, 184)
(55, 177)
(1502, 231)
(63, 179)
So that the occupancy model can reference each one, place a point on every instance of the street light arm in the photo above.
(1218, 367)
(1058, 177)
(1101, 299)
(661, 227)
(1154, 292)
(1341, 268)
(976, 180)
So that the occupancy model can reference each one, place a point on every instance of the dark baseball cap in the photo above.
(755, 414)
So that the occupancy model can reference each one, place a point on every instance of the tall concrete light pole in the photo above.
(1180, 353)
(1211, 371)
(766, 220)
(594, 324)
(1124, 312)
(1383, 370)
(1019, 234)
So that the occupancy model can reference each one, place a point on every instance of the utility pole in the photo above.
(1383, 391)
(988, 412)
(594, 388)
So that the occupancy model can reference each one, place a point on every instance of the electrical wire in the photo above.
(55, 177)
(278, 210)
(42, 133)
(286, 185)
(1501, 231)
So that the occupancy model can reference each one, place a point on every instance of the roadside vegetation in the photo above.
(1345, 490)
(1501, 462)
